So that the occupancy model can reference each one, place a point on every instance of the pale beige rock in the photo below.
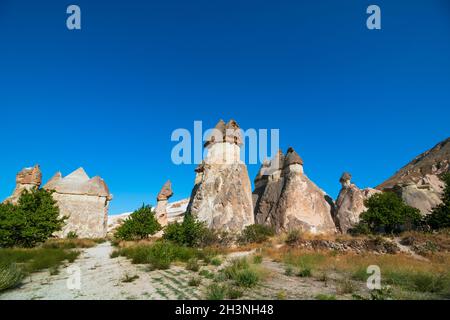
(84, 201)
(350, 203)
(161, 206)
(26, 179)
(222, 194)
(286, 199)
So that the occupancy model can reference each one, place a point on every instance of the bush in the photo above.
(439, 218)
(256, 233)
(10, 276)
(386, 212)
(234, 293)
(72, 235)
(293, 237)
(247, 278)
(141, 224)
(215, 292)
(194, 282)
(190, 232)
(33, 220)
(192, 265)
(304, 272)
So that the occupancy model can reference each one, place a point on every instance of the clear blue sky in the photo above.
(109, 96)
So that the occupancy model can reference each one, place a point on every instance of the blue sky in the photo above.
(109, 96)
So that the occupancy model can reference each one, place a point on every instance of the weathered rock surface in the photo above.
(418, 182)
(350, 203)
(161, 206)
(222, 195)
(26, 179)
(286, 199)
(84, 201)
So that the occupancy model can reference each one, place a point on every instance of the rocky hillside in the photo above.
(418, 182)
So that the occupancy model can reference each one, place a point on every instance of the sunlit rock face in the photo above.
(222, 195)
(350, 203)
(84, 201)
(286, 199)
(162, 202)
(418, 183)
(26, 179)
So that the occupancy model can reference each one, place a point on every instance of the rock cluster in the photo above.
(26, 179)
(350, 203)
(163, 199)
(222, 195)
(418, 183)
(286, 199)
(84, 201)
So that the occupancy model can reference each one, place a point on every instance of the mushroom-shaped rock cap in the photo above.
(217, 134)
(233, 132)
(345, 177)
(166, 191)
(292, 157)
(30, 176)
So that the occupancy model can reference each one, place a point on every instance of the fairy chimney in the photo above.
(161, 207)
(26, 179)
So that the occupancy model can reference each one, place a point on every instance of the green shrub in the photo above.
(235, 267)
(10, 276)
(141, 224)
(72, 235)
(256, 233)
(387, 212)
(439, 218)
(33, 220)
(234, 293)
(325, 297)
(192, 265)
(194, 282)
(258, 259)
(216, 262)
(293, 237)
(288, 271)
(216, 292)
(247, 278)
(190, 232)
(207, 274)
(304, 272)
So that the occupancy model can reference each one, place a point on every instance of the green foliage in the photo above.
(193, 265)
(72, 235)
(190, 232)
(388, 211)
(141, 224)
(256, 233)
(234, 293)
(194, 282)
(293, 237)
(288, 271)
(10, 276)
(325, 297)
(33, 220)
(304, 272)
(258, 259)
(439, 218)
(216, 292)
(242, 273)
(247, 278)
(216, 262)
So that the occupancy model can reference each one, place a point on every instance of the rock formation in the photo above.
(84, 201)
(350, 203)
(26, 179)
(222, 195)
(161, 207)
(286, 199)
(418, 183)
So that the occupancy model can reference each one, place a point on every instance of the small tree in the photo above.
(33, 220)
(388, 211)
(440, 216)
(189, 233)
(141, 224)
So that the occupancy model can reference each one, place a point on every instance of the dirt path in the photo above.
(103, 278)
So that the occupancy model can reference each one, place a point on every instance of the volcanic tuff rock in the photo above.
(161, 207)
(350, 203)
(222, 195)
(418, 183)
(26, 179)
(84, 201)
(286, 199)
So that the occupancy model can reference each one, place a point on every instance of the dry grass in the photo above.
(71, 243)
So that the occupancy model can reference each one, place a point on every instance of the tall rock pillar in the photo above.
(161, 207)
